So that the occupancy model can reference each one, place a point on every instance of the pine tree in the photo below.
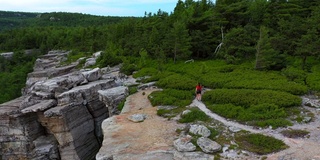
(265, 53)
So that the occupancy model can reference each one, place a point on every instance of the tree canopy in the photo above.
(272, 33)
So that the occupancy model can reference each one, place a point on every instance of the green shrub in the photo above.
(121, 105)
(159, 75)
(313, 80)
(177, 81)
(242, 78)
(171, 97)
(262, 115)
(260, 144)
(294, 133)
(227, 110)
(108, 59)
(128, 68)
(249, 97)
(169, 113)
(146, 72)
(133, 89)
(193, 116)
(73, 56)
(214, 133)
(295, 74)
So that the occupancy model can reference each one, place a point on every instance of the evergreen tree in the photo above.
(180, 41)
(266, 56)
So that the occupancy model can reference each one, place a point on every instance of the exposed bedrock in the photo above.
(60, 113)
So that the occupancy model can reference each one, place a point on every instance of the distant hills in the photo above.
(12, 20)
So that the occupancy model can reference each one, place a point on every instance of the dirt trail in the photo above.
(300, 149)
(151, 139)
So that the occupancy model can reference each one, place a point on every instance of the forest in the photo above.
(275, 35)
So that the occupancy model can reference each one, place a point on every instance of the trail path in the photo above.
(300, 149)
(151, 139)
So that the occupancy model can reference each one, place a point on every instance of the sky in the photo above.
(135, 8)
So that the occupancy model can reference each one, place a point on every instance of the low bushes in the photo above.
(293, 133)
(313, 80)
(260, 144)
(261, 108)
(194, 115)
(146, 72)
(262, 115)
(173, 97)
(177, 81)
(249, 97)
(250, 79)
(295, 74)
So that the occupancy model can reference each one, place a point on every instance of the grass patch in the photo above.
(73, 56)
(260, 144)
(214, 133)
(133, 89)
(193, 116)
(121, 105)
(294, 133)
(169, 113)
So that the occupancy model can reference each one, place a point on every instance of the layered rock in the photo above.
(59, 115)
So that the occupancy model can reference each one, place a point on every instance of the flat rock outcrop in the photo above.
(60, 114)
(150, 139)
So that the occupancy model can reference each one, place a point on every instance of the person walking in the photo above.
(198, 91)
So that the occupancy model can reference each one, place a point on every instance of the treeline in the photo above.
(235, 30)
(274, 34)
(13, 20)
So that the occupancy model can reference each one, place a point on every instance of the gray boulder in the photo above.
(92, 75)
(7, 55)
(200, 130)
(208, 146)
(311, 102)
(186, 112)
(97, 54)
(137, 118)
(147, 85)
(83, 94)
(183, 144)
(112, 98)
(90, 62)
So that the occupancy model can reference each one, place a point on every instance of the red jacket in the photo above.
(198, 88)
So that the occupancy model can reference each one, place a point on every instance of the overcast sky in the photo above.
(94, 7)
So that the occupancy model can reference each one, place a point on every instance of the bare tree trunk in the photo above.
(219, 46)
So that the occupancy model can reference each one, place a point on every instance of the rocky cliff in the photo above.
(60, 113)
